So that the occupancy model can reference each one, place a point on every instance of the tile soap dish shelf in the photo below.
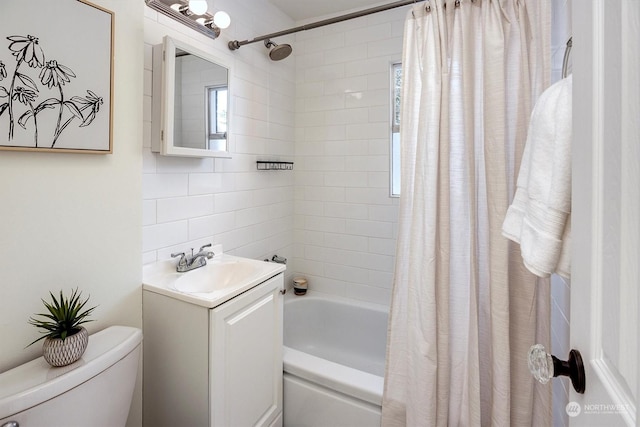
(274, 166)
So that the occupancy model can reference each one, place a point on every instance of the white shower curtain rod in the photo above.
(235, 44)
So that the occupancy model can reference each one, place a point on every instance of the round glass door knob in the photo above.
(540, 363)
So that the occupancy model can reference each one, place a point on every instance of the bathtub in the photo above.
(334, 351)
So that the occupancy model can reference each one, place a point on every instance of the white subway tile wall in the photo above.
(189, 202)
(345, 220)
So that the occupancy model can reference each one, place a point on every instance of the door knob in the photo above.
(544, 366)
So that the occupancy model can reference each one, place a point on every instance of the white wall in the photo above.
(73, 220)
(345, 221)
(188, 202)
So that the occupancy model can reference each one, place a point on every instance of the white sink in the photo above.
(224, 277)
(216, 275)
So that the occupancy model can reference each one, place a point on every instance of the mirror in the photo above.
(194, 87)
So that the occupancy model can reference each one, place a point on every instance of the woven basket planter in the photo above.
(62, 353)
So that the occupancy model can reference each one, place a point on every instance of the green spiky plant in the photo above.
(65, 316)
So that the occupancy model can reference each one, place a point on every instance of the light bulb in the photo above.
(222, 19)
(198, 7)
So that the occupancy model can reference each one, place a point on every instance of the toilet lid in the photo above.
(35, 382)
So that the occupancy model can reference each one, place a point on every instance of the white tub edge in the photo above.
(359, 384)
(312, 294)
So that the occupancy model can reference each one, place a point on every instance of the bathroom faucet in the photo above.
(193, 261)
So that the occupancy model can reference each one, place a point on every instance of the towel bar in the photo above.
(565, 60)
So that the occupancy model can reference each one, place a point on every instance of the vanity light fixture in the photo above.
(193, 14)
(222, 19)
(199, 7)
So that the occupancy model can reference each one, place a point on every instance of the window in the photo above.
(217, 118)
(396, 82)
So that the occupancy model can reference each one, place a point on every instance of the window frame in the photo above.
(211, 118)
(394, 137)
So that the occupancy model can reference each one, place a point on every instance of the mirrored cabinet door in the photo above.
(192, 117)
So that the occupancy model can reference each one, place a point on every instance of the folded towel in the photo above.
(539, 218)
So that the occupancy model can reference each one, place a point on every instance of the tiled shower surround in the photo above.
(345, 220)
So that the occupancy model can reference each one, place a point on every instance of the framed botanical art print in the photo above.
(56, 76)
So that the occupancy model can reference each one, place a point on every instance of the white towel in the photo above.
(539, 218)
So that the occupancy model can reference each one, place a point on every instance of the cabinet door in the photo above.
(246, 357)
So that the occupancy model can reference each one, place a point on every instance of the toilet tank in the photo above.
(94, 391)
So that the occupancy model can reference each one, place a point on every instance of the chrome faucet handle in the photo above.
(208, 254)
(183, 257)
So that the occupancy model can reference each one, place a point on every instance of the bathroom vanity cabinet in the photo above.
(219, 366)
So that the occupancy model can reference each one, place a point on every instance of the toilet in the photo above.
(94, 391)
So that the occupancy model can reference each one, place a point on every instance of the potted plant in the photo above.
(65, 340)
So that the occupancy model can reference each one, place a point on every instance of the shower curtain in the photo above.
(464, 309)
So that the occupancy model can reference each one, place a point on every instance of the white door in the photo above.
(606, 210)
